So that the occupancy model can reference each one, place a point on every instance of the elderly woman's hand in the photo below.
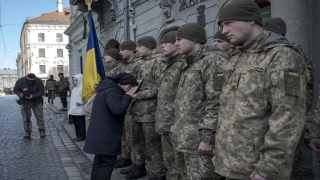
(132, 91)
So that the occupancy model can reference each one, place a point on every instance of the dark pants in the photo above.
(102, 167)
(63, 97)
(80, 126)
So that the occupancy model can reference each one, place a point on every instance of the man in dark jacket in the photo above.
(51, 87)
(113, 98)
(30, 89)
(63, 90)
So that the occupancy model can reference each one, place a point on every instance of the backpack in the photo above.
(68, 83)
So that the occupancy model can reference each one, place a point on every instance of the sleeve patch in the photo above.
(292, 82)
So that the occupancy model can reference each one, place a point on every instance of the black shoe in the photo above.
(63, 109)
(137, 172)
(78, 139)
(42, 133)
(128, 170)
(51, 101)
(27, 134)
(124, 162)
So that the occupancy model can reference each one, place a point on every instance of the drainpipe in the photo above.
(125, 19)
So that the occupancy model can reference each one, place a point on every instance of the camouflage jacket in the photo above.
(315, 127)
(310, 85)
(197, 101)
(113, 68)
(167, 93)
(143, 110)
(132, 65)
(262, 109)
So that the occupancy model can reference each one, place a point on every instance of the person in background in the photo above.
(222, 42)
(31, 88)
(112, 60)
(63, 90)
(75, 108)
(51, 87)
(113, 98)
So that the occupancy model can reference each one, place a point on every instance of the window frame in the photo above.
(59, 51)
(42, 51)
(41, 37)
(44, 69)
(59, 38)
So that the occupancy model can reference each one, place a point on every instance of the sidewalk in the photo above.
(55, 107)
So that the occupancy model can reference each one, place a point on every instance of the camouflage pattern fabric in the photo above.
(173, 160)
(262, 109)
(113, 68)
(199, 166)
(315, 126)
(144, 109)
(167, 93)
(196, 102)
(138, 143)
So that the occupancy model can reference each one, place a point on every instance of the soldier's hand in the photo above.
(95, 85)
(315, 144)
(255, 176)
(172, 128)
(213, 162)
(205, 148)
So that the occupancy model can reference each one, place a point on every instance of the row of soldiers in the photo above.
(233, 111)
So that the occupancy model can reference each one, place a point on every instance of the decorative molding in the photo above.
(59, 61)
(41, 61)
(168, 9)
(201, 19)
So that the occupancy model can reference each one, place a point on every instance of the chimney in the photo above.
(59, 4)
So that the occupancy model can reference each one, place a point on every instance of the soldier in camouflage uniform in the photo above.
(197, 101)
(172, 159)
(144, 107)
(127, 52)
(262, 102)
(113, 62)
(277, 25)
(222, 42)
(315, 129)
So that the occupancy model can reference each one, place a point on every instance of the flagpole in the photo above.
(89, 2)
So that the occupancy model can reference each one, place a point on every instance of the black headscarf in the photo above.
(124, 78)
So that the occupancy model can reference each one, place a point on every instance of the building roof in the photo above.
(54, 16)
(8, 71)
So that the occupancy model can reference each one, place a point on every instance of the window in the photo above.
(41, 53)
(42, 69)
(60, 68)
(41, 37)
(265, 7)
(59, 37)
(59, 53)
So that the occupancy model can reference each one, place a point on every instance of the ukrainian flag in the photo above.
(93, 68)
(293, 72)
(86, 29)
(220, 74)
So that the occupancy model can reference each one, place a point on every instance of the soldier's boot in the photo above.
(137, 172)
(42, 133)
(51, 101)
(158, 178)
(128, 170)
(26, 135)
(124, 162)
(48, 100)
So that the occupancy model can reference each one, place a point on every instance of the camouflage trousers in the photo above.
(125, 139)
(172, 159)
(137, 145)
(150, 143)
(200, 167)
(295, 175)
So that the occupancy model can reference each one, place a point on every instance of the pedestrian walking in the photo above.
(76, 107)
(63, 90)
(113, 98)
(30, 90)
(51, 85)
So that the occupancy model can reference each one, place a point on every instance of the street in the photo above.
(53, 157)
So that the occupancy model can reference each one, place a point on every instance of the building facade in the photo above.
(8, 78)
(132, 19)
(43, 43)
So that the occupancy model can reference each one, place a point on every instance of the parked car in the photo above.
(7, 90)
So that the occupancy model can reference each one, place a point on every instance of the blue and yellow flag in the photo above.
(85, 29)
(93, 68)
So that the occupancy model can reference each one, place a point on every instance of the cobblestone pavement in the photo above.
(53, 157)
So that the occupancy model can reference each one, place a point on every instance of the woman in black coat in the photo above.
(113, 98)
